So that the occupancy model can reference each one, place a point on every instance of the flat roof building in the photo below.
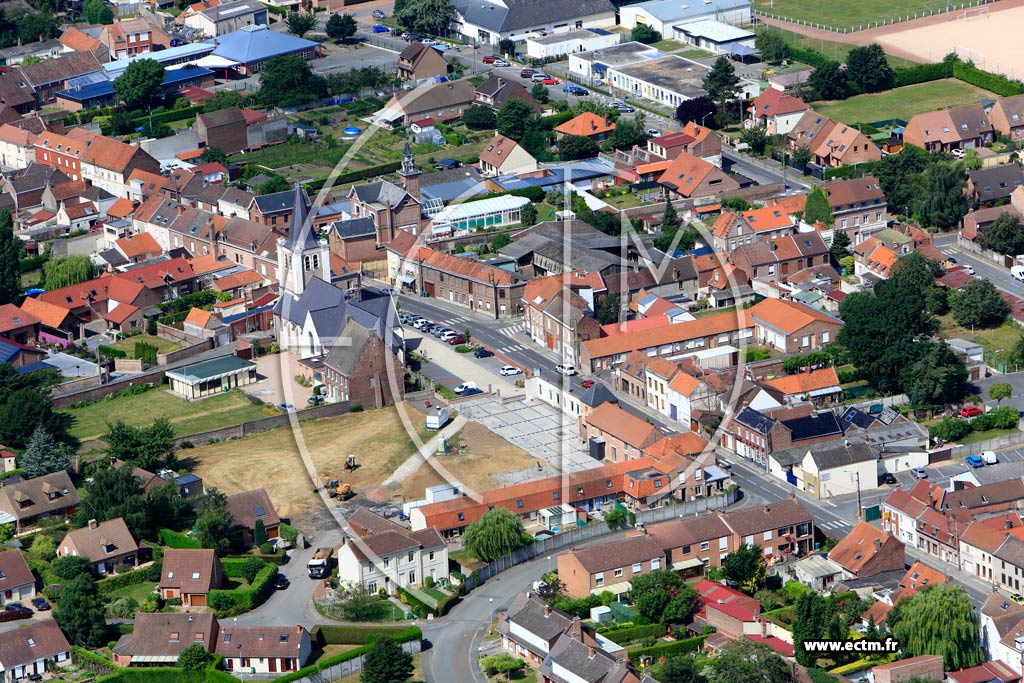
(596, 63)
(717, 36)
(669, 80)
(581, 40)
(215, 376)
(664, 16)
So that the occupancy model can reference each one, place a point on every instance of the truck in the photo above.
(1017, 272)
(437, 419)
(323, 561)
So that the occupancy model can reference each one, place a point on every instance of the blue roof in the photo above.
(103, 89)
(557, 175)
(187, 479)
(32, 367)
(167, 56)
(252, 44)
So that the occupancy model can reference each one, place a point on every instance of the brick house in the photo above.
(108, 163)
(420, 61)
(1007, 116)
(483, 288)
(62, 152)
(246, 508)
(586, 125)
(158, 638)
(360, 372)
(754, 435)
(733, 229)
(792, 327)
(775, 260)
(17, 325)
(609, 566)
(273, 209)
(948, 129)
(616, 434)
(988, 185)
(190, 575)
(224, 129)
(690, 177)
(443, 102)
(630, 376)
(844, 145)
(557, 317)
(505, 156)
(108, 545)
(858, 207)
(51, 495)
(127, 38)
(867, 551)
(16, 581)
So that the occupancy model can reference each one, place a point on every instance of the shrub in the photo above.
(268, 549)
(666, 650)
(125, 607)
(111, 352)
(119, 581)
(922, 74)
(221, 601)
(332, 634)
(251, 567)
(1000, 85)
(175, 539)
(428, 582)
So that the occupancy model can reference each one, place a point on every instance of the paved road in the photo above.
(997, 275)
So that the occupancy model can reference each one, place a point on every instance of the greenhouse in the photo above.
(485, 213)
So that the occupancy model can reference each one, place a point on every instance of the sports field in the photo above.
(902, 103)
(847, 14)
(832, 49)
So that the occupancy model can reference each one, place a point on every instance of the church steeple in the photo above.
(410, 174)
(301, 255)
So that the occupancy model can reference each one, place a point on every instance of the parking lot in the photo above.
(941, 474)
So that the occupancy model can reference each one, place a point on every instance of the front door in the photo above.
(273, 664)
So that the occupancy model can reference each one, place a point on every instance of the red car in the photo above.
(550, 81)
(457, 340)
(587, 383)
(971, 411)
(488, 59)
(527, 73)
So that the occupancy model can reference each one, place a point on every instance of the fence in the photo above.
(175, 335)
(952, 7)
(262, 425)
(1001, 260)
(597, 529)
(350, 667)
(185, 353)
(995, 444)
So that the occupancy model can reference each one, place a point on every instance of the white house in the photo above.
(681, 393)
(17, 146)
(263, 649)
(657, 374)
(33, 649)
(16, 581)
(826, 469)
(382, 554)
(577, 40)
(664, 15)
(489, 21)
(1001, 621)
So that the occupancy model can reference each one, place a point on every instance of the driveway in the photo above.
(277, 383)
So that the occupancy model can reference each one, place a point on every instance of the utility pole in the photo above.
(859, 508)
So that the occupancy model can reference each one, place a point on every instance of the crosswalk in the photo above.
(511, 331)
(948, 251)
(835, 526)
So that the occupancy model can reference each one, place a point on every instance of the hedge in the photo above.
(167, 675)
(408, 635)
(627, 634)
(111, 352)
(332, 634)
(90, 656)
(176, 539)
(852, 171)
(113, 583)
(1000, 85)
(418, 606)
(678, 647)
(807, 56)
(922, 74)
(853, 667)
(247, 599)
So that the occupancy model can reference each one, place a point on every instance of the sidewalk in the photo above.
(463, 365)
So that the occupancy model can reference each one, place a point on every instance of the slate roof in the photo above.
(529, 613)
(379, 192)
(757, 518)
(47, 494)
(60, 69)
(41, 640)
(277, 202)
(354, 227)
(854, 417)
(190, 571)
(301, 231)
(343, 358)
(587, 664)
(996, 182)
(832, 454)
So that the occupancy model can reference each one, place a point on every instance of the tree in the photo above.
(721, 81)
(68, 270)
(425, 16)
(300, 23)
(528, 215)
(829, 81)
(942, 202)
(899, 174)
(608, 312)
(749, 662)
(840, 246)
(679, 669)
(502, 664)
(506, 47)
(756, 139)
(642, 33)
(680, 608)
(341, 27)
(151, 448)
(502, 239)
(165, 508)
(224, 99)
(1000, 390)
(539, 92)
(513, 118)
(938, 620)
(26, 409)
(697, 110)
(627, 134)
(10, 259)
(97, 12)
(70, 566)
(937, 378)
(978, 304)
(669, 217)
(211, 153)
(275, 184)
(386, 662)
(479, 118)
(1005, 235)
(651, 605)
(81, 613)
(115, 492)
(818, 210)
(213, 521)
(869, 68)
(43, 455)
(743, 566)
(573, 147)
(498, 533)
(139, 86)
(195, 657)
(259, 534)
(356, 602)
(288, 81)
(771, 45)
(801, 157)
(653, 592)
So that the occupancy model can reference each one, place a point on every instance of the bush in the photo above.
(626, 634)
(666, 650)
(251, 567)
(268, 549)
(428, 581)
(119, 581)
(1000, 85)
(111, 352)
(922, 74)
(950, 429)
(331, 634)
(125, 607)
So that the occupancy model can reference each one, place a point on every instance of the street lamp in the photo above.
(704, 118)
(549, 564)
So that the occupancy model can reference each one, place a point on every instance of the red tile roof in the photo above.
(48, 314)
(122, 208)
(805, 382)
(586, 124)
(628, 428)
(12, 317)
(136, 246)
(121, 313)
(788, 316)
(772, 102)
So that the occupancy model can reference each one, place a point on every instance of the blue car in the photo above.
(380, 29)
(975, 461)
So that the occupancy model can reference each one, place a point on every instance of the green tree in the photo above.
(748, 661)
(115, 492)
(195, 657)
(978, 304)
(97, 12)
(139, 86)
(43, 455)
(212, 153)
(341, 27)
(252, 566)
(80, 612)
(572, 147)
(679, 669)
(756, 139)
(26, 409)
(698, 110)
(504, 664)
(300, 23)
(627, 134)
(771, 45)
(829, 81)
(1000, 390)
(1005, 235)
(288, 81)
(669, 217)
(224, 99)
(165, 508)
(743, 565)
(527, 215)
(942, 203)
(10, 259)
(818, 210)
(869, 68)
(498, 533)
(259, 534)
(938, 620)
(721, 81)
(642, 33)
(840, 248)
(425, 16)
(503, 240)
(213, 521)
(801, 156)
(386, 662)
(70, 566)
(513, 118)
(539, 92)
(971, 160)
(356, 602)
(651, 605)
(151, 448)
(68, 270)
(608, 311)
(899, 175)
(615, 517)
(275, 184)
(680, 608)
(507, 47)
(479, 118)
(937, 378)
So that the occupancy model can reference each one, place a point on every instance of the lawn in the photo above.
(695, 53)
(997, 341)
(844, 14)
(139, 592)
(417, 673)
(902, 103)
(832, 49)
(128, 344)
(222, 410)
(669, 45)
(975, 437)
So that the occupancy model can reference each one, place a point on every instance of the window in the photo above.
(686, 550)
(411, 556)
(372, 586)
(599, 579)
(556, 495)
(519, 503)
(412, 577)
(655, 564)
(618, 572)
(767, 536)
(723, 543)
(637, 567)
(387, 562)
(748, 540)
(704, 545)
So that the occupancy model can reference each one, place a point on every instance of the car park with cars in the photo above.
(974, 461)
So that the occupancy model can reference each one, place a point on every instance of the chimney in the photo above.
(766, 509)
(878, 544)
(1008, 524)
(547, 611)
(576, 629)
(93, 524)
(591, 652)
(298, 629)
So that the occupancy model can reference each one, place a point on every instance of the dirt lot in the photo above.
(378, 439)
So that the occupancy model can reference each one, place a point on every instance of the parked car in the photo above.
(380, 29)
(653, 132)
(989, 457)
(969, 269)
(920, 473)
(396, 32)
(472, 392)
(567, 369)
(482, 353)
(430, 41)
(538, 77)
(489, 59)
(286, 407)
(974, 461)
(507, 370)
(550, 80)
(971, 411)
(887, 478)
(380, 14)
(177, 42)
(15, 612)
(464, 387)
(281, 582)
(625, 108)
(315, 400)
(1017, 598)
(386, 291)
(527, 73)
(587, 383)
(501, 62)
(455, 341)
(449, 334)
(40, 604)
(958, 153)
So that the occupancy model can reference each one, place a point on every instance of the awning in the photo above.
(824, 392)
(407, 279)
(216, 62)
(616, 588)
(154, 659)
(744, 50)
(691, 563)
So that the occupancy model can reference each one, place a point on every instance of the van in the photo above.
(989, 457)
(1017, 272)
(464, 387)
(565, 369)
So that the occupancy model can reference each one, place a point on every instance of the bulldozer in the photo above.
(335, 488)
(343, 491)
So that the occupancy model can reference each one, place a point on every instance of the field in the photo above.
(844, 14)
(832, 49)
(378, 439)
(217, 411)
(997, 341)
(902, 103)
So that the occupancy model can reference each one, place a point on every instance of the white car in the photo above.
(465, 386)
(567, 369)
(430, 41)
(969, 269)
(958, 153)
(450, 334)
(507, 370)
(500, 62)
(537, 78)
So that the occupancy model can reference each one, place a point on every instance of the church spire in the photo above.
(410, 174)
(301, 231)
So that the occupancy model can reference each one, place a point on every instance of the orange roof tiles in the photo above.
(660, 367)
(110, 154)
(767, 218)
(586, 124)
(804, 382)
(136, 246)
(48, 314)
(920, 575)
(12, 317)
(122, 208)
(668, 334)
(789, 205)
(684, 444)
(858, 547)
(198, 317)
(656, 167)
(121, 313)
(684, 384)
(772, 102)
(239, 279)
(79, 41)
(697, 132)
(685, 173)
(122, 291)
(465, 268)
(208, 263)
(635, 325)
(788, 316)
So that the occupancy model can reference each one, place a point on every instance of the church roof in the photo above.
(301, 232)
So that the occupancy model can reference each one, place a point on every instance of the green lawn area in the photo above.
(997, 341)
(436, 593)
(975, 437)
(222, 410)
(669, 45)
(695, 53)
(623, 201)
(845, 14)
(128, 344)
(31, 278)
(464, 558)
(903, 103)
(832, 49)
(139, 592)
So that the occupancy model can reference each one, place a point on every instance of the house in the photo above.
(858, 207)
(586, 125)
(733, 229)
(1002, 624)
(418, 61)
(250, 46)
(249, 507)
(609, 566)
(828, 468)
(947, 129)
(843, 146)
(994, 671)
(776, 111)
(364, 371)
(791, 327)
(755, 435)
(920, 668)
(224, 129)
(138, 248)
(817, 386)
(263, 649)
(108, 545)
(17, 585)
(1007, 116)
(157, 638)
(690, 177)
(189, 575)
(442, 102)
(987, 185)
(225, 17)
(558, 317)
(108, 163)
(17, 146)
(51, 495)
(211, 377)
(665, 16)
(490, 23)
(505, 156)
(529, 628)
(867, 551)
(127, 38)
(612, 433)
(487, 289)
(383, 555)
(495, 91)
(46, 78)
(565, 43)
(33, 650)
(920, 575)
(809, 130)
(18, 325)
(392, 208)
(775, 261)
